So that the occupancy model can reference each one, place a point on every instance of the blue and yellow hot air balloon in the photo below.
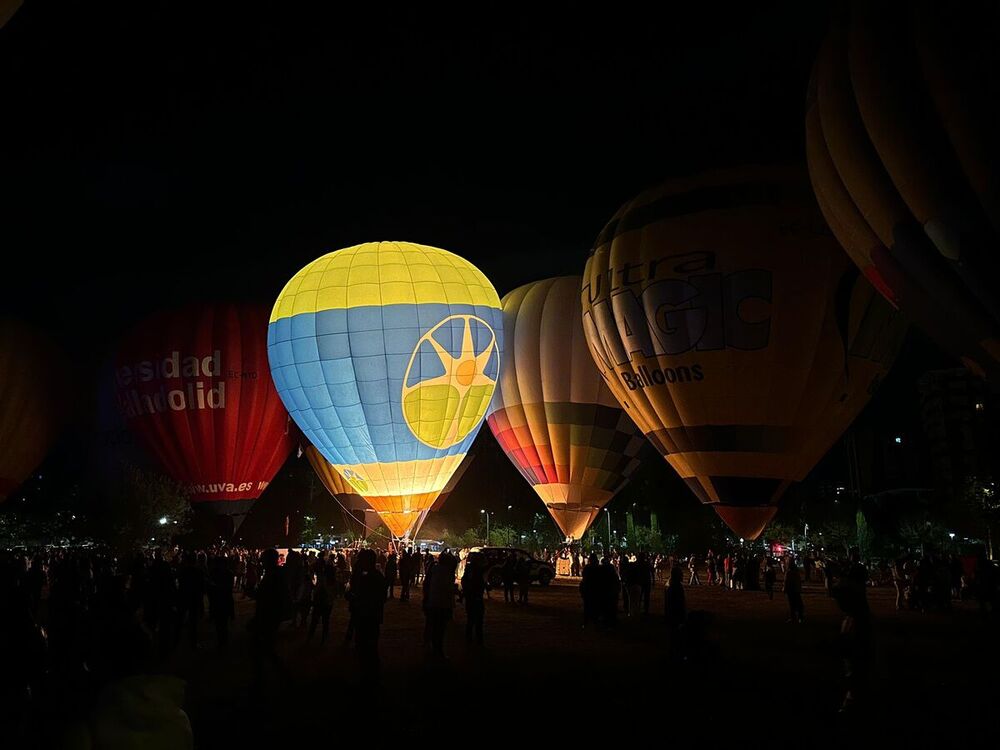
(386, 355)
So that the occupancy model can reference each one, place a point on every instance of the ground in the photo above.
(755, 677)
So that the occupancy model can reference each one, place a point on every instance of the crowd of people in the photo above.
(75, 622)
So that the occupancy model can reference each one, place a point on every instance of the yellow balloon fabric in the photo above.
(352, 504)
(735, 332)
(386, 355)
(29, 402)
(552, 414)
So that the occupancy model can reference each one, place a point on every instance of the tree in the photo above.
(840, 536)
(865, 536)
(468, 538)
(146, 508)
(983, 502)
(784, 533)
(924, 535)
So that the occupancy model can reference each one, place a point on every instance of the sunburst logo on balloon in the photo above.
(449, 380)
(356, 480)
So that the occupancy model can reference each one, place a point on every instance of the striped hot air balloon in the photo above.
(386, 355)
(552, 413)
(735, 333)
(902, 128)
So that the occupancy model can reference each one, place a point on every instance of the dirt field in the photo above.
(754, 676)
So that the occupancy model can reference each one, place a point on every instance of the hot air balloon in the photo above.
(30, 402)
(902, 123)
(735, 333)
(386, 355)
(195, 388)
(552, 413)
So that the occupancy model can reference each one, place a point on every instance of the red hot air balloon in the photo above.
(195, 386)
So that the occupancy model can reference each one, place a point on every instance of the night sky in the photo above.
(156, 152)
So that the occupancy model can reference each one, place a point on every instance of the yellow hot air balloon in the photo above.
(552, 413)
(30, 402)
(735, 332)
(386, 355)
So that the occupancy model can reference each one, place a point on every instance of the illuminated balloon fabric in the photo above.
(29, 403)
(194, 386)
(386, 355)
(552, 413)
(352, 504)
(902, 124)
(719, 310)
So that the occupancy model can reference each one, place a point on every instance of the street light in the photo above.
(163, 520)
(487, 514)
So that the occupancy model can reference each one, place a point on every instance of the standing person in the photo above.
(441, 600)
(473, 588)
(645, 573)
(727, 570)
(675, 610)
(273, 603)
(793, 590)
(304, 595)
(405, 574)
(610, 586)
(769, 577)
(590, 590)
(693, 568)
(390, 575)
(625, 575)
(855, 629)
(507, 574)
(367, 604)
(899, 583)
(828, 570)
(220, 598)
(322, 601)
(523, 571)
(634, 585)
(191, 596)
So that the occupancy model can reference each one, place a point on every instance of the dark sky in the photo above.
(164, 150)
(155, 152)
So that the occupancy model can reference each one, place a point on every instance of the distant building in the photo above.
(961, 424)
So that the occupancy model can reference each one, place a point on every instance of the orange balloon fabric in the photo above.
(29, 402)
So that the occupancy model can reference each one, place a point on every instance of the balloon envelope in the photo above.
(552, 413)
(902, 128)
(195, 388)
(30, 402)
(735, 333)
(386, 355)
